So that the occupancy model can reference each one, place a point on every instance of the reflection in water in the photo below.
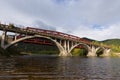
(59, 68)
(7, 65)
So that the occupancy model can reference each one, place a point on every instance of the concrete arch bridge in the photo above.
(64, 42)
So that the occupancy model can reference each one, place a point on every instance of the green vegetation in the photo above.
(115, 42)
(79, 52)
(11, 25)
(114, 45)
(76, 52)
(29, 48)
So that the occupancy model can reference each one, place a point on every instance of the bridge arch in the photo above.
(59, 46)
(85, 45)
(102, 51)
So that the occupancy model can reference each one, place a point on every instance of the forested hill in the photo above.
(115, 42)
(88, 39)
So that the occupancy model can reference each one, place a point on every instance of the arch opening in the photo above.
(80, 50)
(34, 45)
(100, 52)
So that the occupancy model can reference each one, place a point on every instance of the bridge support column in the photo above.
(65, 48)
(68, 48)
(92, 51)
(3, 39)
(63, 53)
(65, 45)
(15, 36)
(68, 45)
(106, 52)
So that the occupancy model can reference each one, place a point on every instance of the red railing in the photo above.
(58, 34)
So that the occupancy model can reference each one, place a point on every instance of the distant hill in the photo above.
(115, 42)
(88, 39)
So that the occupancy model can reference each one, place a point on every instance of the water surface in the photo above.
(59, 68)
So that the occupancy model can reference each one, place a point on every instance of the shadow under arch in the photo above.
(85, 47)
(100, 51)
(60, 48)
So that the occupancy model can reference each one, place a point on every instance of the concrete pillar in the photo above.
(92, 51)
(106, 52)
(68, 48)
(68, 45)
(62, 48)
(65, 45)
(15, 36)
(3, 39)
(64, 51)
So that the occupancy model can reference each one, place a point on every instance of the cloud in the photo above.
(41, 25)
(84, 11)
(11, 15)
(84, 18)
(111, 31)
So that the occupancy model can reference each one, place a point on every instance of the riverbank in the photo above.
(115, 54)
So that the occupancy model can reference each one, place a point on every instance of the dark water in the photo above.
(59, 68)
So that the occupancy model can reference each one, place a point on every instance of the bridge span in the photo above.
(64, 42)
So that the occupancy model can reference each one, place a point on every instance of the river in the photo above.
(35, 67)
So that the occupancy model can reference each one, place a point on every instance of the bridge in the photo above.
(64, 42)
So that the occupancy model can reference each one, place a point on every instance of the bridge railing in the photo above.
(56, 34)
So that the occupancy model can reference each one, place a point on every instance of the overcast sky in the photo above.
(95, 19)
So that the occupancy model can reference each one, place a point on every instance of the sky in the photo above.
(95, 19)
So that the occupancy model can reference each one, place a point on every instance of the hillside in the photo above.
(115, 42)
(88, 39)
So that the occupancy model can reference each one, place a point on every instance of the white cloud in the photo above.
(112, 31)
(11, 15)
(84, 18)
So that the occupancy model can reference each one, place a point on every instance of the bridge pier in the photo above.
(106, 52)
(15, 36)
(3, 38)
(64, 53)
(92, 51)
(65, 48)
